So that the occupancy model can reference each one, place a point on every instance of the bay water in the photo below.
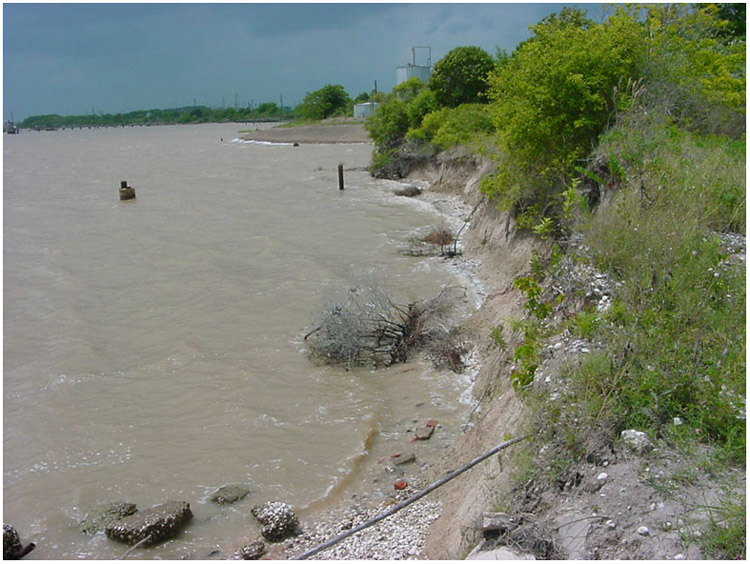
(153, 349)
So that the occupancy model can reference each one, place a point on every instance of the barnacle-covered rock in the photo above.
(104, 514)
(278, 520)
(253, 551)
(227, 495)
(13, 549)
(156, 524)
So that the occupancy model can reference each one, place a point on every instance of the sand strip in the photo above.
(343, 133)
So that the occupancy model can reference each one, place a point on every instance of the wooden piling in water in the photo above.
(341, 176)
(126, 192)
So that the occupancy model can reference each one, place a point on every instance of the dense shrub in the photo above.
(389, 124)
(674, 336)
(461, 77)
(561, 89)
(328, 101)
(467, 124)
(551, 99)
(696, 69)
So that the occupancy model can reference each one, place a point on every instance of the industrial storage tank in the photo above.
(365, 110)
(422, 72)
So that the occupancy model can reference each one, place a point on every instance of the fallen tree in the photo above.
(367, 326)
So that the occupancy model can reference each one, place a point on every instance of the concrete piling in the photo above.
(126, 192)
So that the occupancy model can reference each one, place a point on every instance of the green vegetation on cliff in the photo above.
(622, 143)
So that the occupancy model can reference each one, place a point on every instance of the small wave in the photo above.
(254, 142)
(349, 470)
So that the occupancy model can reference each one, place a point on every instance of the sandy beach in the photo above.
(333, 133)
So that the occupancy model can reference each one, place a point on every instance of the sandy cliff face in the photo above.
(617, 503)
(503, 256)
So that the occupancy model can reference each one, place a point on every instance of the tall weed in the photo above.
(676, 331)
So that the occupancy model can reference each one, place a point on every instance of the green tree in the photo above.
(552, 98)
(389, 124)
(461, 76)
(734, 15)
(323, 103)
(409, 89)
(694, 72)
(268, 109)
(361, 98)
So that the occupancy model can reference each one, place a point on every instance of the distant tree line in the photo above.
(329, 101)
(268, 111)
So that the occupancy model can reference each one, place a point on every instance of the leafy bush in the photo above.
(409, 89)
(696, 71)
(420, 106)
(561, 89)
(551, 99)
(389, 124)
(425, 115)
(461, 76)
(468, 124)
(328, 101)
(533, 328)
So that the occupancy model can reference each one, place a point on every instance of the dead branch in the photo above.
(368, 327)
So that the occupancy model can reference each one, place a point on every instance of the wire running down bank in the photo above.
(419, 495)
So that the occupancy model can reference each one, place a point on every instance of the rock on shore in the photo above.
(104, 514)
(13, 549)
(156, 524)
(278, 520)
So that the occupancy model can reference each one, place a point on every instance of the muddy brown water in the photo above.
(153, 349)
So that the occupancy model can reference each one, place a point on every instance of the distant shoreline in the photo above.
(333, 133)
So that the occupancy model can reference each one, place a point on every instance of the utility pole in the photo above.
(235, 101)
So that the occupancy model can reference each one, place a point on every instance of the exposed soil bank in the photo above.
(502, 255)
(334, 133)
(617, 504)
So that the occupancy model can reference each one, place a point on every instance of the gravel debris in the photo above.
(401, 536)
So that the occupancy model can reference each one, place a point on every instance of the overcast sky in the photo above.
(110, 58)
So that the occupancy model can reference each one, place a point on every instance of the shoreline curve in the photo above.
(309, 134)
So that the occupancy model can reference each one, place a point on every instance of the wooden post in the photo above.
(341, 176)
(126, 192)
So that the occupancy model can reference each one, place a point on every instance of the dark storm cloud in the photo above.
(75, 58)
(270, 20)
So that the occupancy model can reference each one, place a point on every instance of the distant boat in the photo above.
(10, 128)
